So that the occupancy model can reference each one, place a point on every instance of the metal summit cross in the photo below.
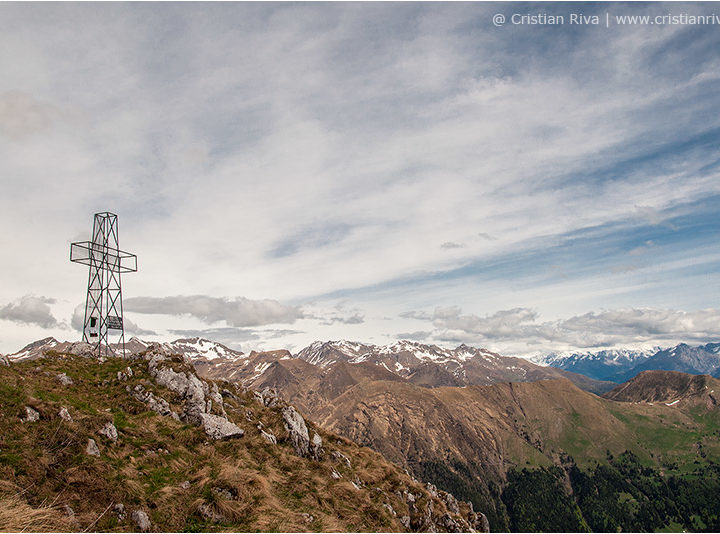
(103, 306)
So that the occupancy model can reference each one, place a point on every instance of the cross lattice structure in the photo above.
(103, 306)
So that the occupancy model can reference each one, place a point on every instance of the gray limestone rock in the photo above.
(195, 404)
(65, 380)
(109, 431)
(86, 350)
(267, 397)
(156, 404)
(316, 450)
(31, 415)
(65, 415)
(141, 520)
(296, 427)
(125, 375)
(217, 427)
(92, 448)
(451, 525)
(167, 377)
(187, 385)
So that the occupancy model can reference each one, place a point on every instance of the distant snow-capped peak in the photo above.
(197, 347)
(34, 349)
(608, 356)
(324, 353)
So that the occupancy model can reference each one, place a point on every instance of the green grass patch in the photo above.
(11, 395)
(120, 420)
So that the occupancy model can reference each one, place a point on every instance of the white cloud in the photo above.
(609, 328)
(238, 311)
(30, 310)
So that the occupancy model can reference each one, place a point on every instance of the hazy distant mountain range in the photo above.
(619, 365)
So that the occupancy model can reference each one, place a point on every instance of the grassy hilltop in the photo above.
(173, 473)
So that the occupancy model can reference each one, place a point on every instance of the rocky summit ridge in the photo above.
(143, 443)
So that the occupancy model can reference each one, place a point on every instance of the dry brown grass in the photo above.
(18, 516)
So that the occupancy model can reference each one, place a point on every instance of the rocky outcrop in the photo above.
(450, 502)
(125, 375)
(152, 401)
(316, 450)
(31, 415)
(197, 396)
(109, 431)
(478, 521)
(92, 448)
(216, 398)
(86, 350)
(141, 520)
(267, 397)
(191, 389)
(65, 415)
(218, 428)
(296, 427)
(65, 380)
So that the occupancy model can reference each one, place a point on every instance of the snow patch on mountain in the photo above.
(34, 349)
(617, 357)
(197, 347)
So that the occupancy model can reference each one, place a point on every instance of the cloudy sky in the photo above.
(293, 172)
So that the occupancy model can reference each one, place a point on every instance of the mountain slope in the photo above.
(468, 438)
(670, 387)
(136, 444)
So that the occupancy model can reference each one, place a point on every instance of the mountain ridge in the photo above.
(428, 365)
(620, 365)
(144, 444)
(669, 387)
